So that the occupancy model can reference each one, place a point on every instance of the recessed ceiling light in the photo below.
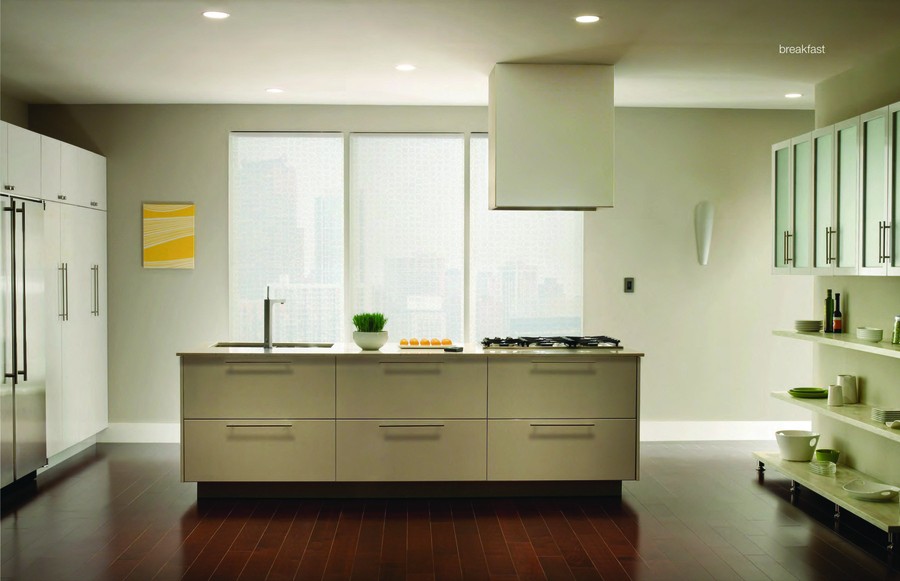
(274, 90)
(793, 95)
(216, 15)
(587, 18)
(405, 67)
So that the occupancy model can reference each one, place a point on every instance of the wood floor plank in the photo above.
(698, 513)
(367, 560)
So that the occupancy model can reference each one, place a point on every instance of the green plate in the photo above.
(809, 392)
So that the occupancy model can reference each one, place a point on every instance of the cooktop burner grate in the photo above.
(563, 342)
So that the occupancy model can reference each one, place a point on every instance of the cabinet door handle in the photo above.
(559, 425)
(60, 197)
(410, 362)
(887, 241)
(410, 425)
(259, 425)
(880, 242)
(258, 362)
(784, 246)
(65, 291)
(828, 232)
(9, 188)
(94, 204)
(790, 255)
(564, 361)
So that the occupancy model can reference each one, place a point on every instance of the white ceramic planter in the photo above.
(796, 445)
(370, 341)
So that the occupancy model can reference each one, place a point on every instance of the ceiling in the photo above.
(684, 53)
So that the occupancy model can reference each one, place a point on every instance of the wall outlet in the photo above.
(629, 285)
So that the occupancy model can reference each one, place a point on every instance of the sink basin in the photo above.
(275, 345)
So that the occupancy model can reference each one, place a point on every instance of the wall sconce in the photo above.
(703, 228)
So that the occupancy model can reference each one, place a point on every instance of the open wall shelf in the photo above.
(857, 414)
(845, 341)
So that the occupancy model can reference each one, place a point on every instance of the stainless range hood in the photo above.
(551, 131)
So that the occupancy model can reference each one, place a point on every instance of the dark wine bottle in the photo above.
(829, 313)
(837, 318)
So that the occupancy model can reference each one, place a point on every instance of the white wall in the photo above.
(706, 330)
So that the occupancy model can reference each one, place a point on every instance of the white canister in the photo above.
(848, 388)
(835, 395)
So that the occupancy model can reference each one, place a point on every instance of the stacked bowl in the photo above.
(807, 326)
(869, 334)
(823, 468)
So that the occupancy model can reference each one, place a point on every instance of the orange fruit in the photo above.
(404, 342)
(435, 341)
(446, 342)
(413, 341)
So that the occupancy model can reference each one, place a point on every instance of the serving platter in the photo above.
(809, 392)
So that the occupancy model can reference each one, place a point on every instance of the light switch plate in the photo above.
(629, 284)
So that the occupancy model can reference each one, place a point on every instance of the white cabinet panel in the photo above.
(77, 392)
(258, 451)
(403, 451)
(589, 449)
(562, 387)
(241, 387)
(82, 177)
(403, 386)
(21, 161)
(51, 173)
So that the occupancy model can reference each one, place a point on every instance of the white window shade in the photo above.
(526, 267)
(287, 232)
(407, 200)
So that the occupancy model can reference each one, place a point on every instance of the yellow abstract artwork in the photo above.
(168, 235)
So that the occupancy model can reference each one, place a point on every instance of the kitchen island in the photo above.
(338, 421)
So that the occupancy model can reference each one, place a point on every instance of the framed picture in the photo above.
(168, 235)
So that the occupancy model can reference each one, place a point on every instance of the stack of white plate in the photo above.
(882, 415)
(823, 467)
(807, 326)
(869, 334)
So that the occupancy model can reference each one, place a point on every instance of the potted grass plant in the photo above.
(370, 334)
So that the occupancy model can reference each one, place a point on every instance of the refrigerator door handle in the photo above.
(24, 371)
(13, 318)
(65, 291)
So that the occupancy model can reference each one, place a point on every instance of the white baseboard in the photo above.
(652, 431)
(61, 457)
(151, 433)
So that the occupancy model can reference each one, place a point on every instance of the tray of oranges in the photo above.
(425, 343)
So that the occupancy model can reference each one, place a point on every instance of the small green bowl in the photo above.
(827, 455)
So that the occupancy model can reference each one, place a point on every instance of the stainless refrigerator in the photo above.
(23, 434)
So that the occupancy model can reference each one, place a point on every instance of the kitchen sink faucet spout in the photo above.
(267, 319)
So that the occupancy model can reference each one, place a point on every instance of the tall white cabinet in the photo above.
(75, 231)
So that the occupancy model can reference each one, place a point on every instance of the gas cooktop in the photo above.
(592, 342)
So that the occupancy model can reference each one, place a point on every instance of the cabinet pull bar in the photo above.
(784, 246)
(887, 241)
(65, 291)
(583, 425)
(259, 425)
(880, 242)
(258, 362)
(790, 255)
(563, 362)
(410, 425)
(828, 245)
(410, 362)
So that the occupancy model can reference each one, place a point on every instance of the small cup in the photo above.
(827, 455)
(849, 393)
(835, 395)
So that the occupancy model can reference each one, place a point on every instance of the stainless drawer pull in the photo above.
(562, 425)
(259, 425)
(258, 362)
(570, 361)
(410, 362)
(410, 425)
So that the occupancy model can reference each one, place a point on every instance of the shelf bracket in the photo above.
(795, 491)
(761, 470)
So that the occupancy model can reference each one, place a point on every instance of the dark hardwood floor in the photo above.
(120, 512)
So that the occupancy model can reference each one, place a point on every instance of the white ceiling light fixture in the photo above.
(793, 95)
(405, 67)
(216, 15)
(274, 90)
(587, 18)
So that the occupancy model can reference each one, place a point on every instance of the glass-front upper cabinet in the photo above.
(892, 237)
(836, 198)
(792, 199)
(874, 204)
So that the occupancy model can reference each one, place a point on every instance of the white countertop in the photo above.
(393, 349)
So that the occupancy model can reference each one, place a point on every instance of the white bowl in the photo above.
(869, 334)
(871, 491)
(796, 445)
(370, 341)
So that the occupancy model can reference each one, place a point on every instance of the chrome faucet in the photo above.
(267, 319)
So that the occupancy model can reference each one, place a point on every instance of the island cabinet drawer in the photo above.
(238, 387)
(258, 451)
(559, 386)
(562, 450)
(411, 386)
(404, 451)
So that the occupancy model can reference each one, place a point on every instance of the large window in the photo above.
(407, 215)
(526, 266)
(287, 232)
(407, 227)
